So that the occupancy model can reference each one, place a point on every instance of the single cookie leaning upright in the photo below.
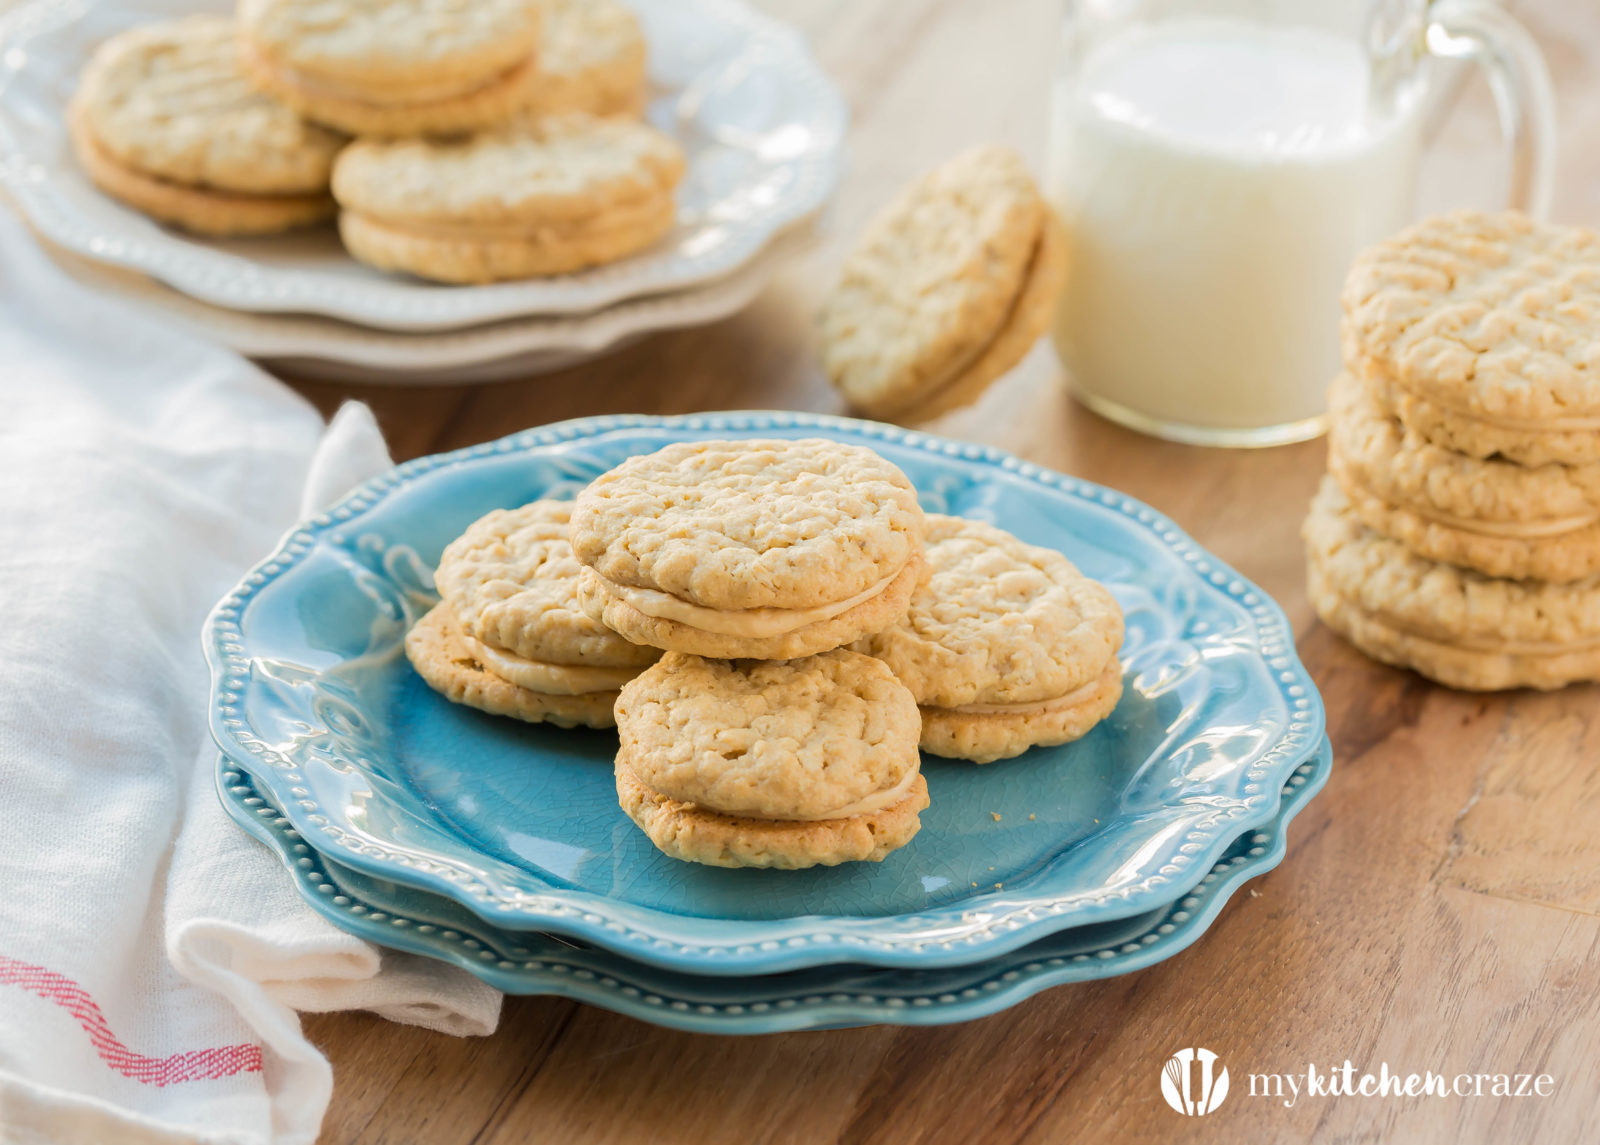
(1498, 517)
(1450, 624)
(761, 549)
(508, 636)
(532, 197)
(591, 59)
(1482, 332)
(948, 289)
(393, 67)
(164, 120)
(1006, 647)
(786, 764)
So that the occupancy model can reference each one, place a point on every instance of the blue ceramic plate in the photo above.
(519, 823)
(519, 962)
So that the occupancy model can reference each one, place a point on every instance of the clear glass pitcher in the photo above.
(1219, 163)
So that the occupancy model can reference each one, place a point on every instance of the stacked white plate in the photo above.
(761, 124)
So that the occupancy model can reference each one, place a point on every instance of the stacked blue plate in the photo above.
(499, 846)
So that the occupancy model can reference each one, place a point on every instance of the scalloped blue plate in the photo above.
(519, 823)
(820, 998)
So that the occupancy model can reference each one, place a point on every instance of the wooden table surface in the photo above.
(1440, 904)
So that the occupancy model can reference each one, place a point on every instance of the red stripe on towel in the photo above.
(191, 1065)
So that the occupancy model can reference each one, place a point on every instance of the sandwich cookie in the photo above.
(767, 550)
(1497, 517)
(1482, 333)
(532, 197)
(1006, 647)
(393, 67)
(591, 59)
(165, 121)
(1450, 624)
(784, 764)
(948, 289)
(508, 636)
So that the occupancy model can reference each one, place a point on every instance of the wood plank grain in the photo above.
(1438, 908)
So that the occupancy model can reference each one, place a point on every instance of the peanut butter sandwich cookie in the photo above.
(165, 121)
(762, 549)
(508, 636)
(591, 59)
(788, 764)
(1482, 333)
(533, 197)
(948, 289)
(1452, 625)
(394, 67)
(1498, 517)
(1006, 647)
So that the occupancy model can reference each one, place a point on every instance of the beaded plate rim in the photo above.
(612, 982)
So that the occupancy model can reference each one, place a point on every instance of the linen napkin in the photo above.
(152, 955)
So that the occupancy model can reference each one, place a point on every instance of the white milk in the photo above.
(1217, 177)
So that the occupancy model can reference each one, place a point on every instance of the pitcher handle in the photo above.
(1520, 81)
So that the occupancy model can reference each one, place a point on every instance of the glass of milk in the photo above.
(1219, 163)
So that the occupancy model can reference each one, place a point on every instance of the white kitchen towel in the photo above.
(152, 956)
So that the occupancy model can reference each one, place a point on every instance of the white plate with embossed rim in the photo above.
(762, 125)
(519, 823)
(326, 348)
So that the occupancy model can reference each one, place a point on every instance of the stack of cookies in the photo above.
(1458, 531)
(508, 636)
(775, 628)
(494, 140)
(948, 289)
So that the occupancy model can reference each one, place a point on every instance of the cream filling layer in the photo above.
(624, 221)
(1071, 700)
(545, 678)
(1496, 421)
(753, 622)
(866, 805)
(1527, 530)
(1487, 647)
(406, 94)
(1531, 530)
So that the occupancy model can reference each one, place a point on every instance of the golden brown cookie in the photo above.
(393, 67)
(948, 289)
(591, 59)
(165, 121)
(770, 763)
(1452, 625)
(1491, 319)
(1005, 647)
(439, 653)
(511, 581)
(695, 835)
(1498, 517)
(761, 549)
(531, 197)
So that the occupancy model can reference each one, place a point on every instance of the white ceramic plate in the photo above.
(762, 125)
(310, 346)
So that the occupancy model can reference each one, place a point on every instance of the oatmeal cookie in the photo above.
(394, 67)
(1498, 517)
(821, 750)
(531, 197)
(1491, 318)
(948, 289)
(758, 548)
(1453, 625)
(441, 656)
(1006, 646)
